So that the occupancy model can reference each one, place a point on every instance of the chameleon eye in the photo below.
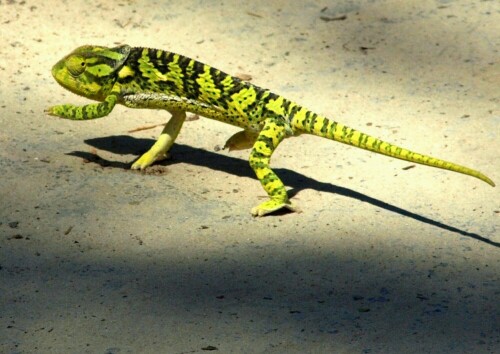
(76, 65)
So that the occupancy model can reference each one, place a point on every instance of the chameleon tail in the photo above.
(311, 123)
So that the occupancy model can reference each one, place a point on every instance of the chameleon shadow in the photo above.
(123, 145)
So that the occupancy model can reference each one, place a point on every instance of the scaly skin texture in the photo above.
(157, 79)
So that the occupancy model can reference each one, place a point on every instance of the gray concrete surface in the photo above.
(95, 258)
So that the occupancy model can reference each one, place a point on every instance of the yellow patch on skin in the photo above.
(276, 106)
(227, 83)
(126, 71)
(208, 90)
(176, 75)
(106, 52)
(148, 69)
(241, 100)
(190, 68)
(318, 124)
(100, 70)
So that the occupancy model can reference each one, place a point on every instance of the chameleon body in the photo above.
(158, 79)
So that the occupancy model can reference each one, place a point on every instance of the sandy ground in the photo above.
(95, 258)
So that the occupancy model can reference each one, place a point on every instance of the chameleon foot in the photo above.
(148, 159)
(271, 206)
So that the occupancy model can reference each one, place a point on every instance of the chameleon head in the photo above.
(90, 71)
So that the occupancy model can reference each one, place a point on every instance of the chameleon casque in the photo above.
(158, 79)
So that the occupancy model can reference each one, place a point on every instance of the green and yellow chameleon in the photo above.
(158, 79)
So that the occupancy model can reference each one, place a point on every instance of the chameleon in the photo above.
(158, 79)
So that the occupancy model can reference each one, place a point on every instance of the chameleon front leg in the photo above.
(159, 150)
(89, 111)
(273, 132)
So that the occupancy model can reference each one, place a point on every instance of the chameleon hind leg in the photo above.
(273, 132)
(159, 150)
